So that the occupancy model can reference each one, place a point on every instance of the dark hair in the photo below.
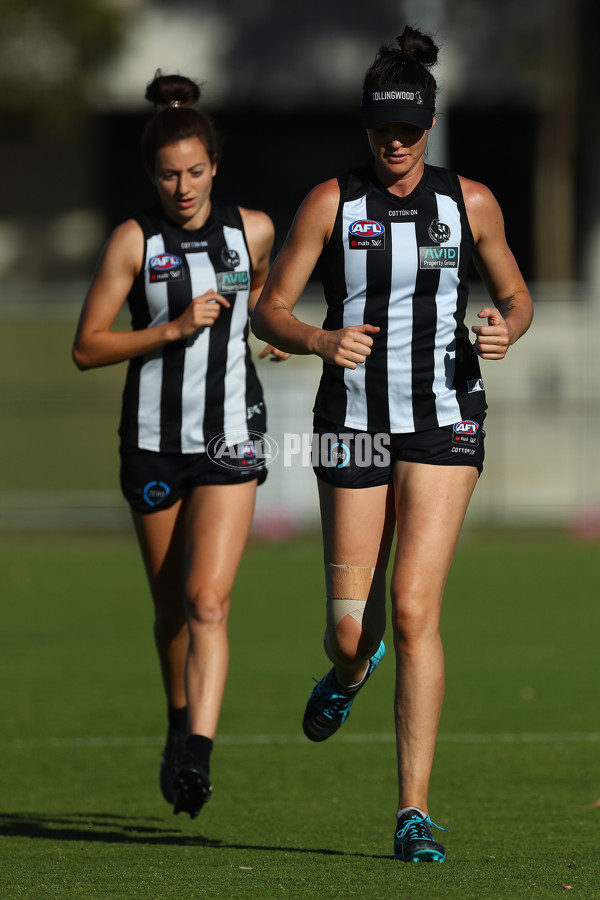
(178, 118)
(407, 63)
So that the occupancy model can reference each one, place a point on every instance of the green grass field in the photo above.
(517, 766)
(62, 423)
(516, 769)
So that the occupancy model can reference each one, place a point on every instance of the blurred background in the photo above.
(516, 110)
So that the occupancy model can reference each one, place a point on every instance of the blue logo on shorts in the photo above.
(339, 455)
(155, 492)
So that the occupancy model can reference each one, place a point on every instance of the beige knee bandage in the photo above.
(359, 592)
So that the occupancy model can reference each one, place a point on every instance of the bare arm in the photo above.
(273, 319)
(513, 309)
(260, 234)
(96, 344)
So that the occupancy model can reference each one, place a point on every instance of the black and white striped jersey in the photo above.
(181, 396)
(401, 263)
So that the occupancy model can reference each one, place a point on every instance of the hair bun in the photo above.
(419, 46)
(172, 90)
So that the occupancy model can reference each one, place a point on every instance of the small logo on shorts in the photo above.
(155, 492)
(467, 426)
(255, 410)
(244, 450)
(466, 432)
(475, 384)
(247, 452)
(339, 455)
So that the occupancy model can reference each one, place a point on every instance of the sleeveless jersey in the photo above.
(178, 398)
(401, 263)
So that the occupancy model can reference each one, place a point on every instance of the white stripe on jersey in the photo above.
(355, 267)
(152, 369)
(400, 321)
(235, 413)
(193, 390)
(447, 408)
(400, 325)
(156, 291)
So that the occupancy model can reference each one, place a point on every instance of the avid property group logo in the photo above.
(437, 256)
(231, 281)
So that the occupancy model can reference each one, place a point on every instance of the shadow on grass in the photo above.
(107, 828)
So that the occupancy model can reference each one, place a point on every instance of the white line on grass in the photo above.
(248, 739)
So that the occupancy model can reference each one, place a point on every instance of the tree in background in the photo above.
(49, 51)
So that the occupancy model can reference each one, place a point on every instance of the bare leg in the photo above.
(160, 536)
(217, 524)
(431, 502)
(358, 527)
(192, 552)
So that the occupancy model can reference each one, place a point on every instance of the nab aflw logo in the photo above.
(366, 234)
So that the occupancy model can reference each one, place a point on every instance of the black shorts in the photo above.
(348, 458)
(153, 481)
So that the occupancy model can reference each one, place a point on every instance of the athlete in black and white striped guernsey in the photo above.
(181, 398)
(401, 263)
(193, 413)
(399, 442)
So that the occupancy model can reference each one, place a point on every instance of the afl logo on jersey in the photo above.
(165, 267)
(439, 232)
(164, 261)
(366, 234)
(366, 228)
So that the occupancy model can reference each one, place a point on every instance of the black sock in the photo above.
(199, 748)
(178, 718)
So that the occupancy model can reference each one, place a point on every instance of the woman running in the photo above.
(399, 412)
(193, 412)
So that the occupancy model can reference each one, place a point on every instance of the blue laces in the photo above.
(417, 828)
(330, 703)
